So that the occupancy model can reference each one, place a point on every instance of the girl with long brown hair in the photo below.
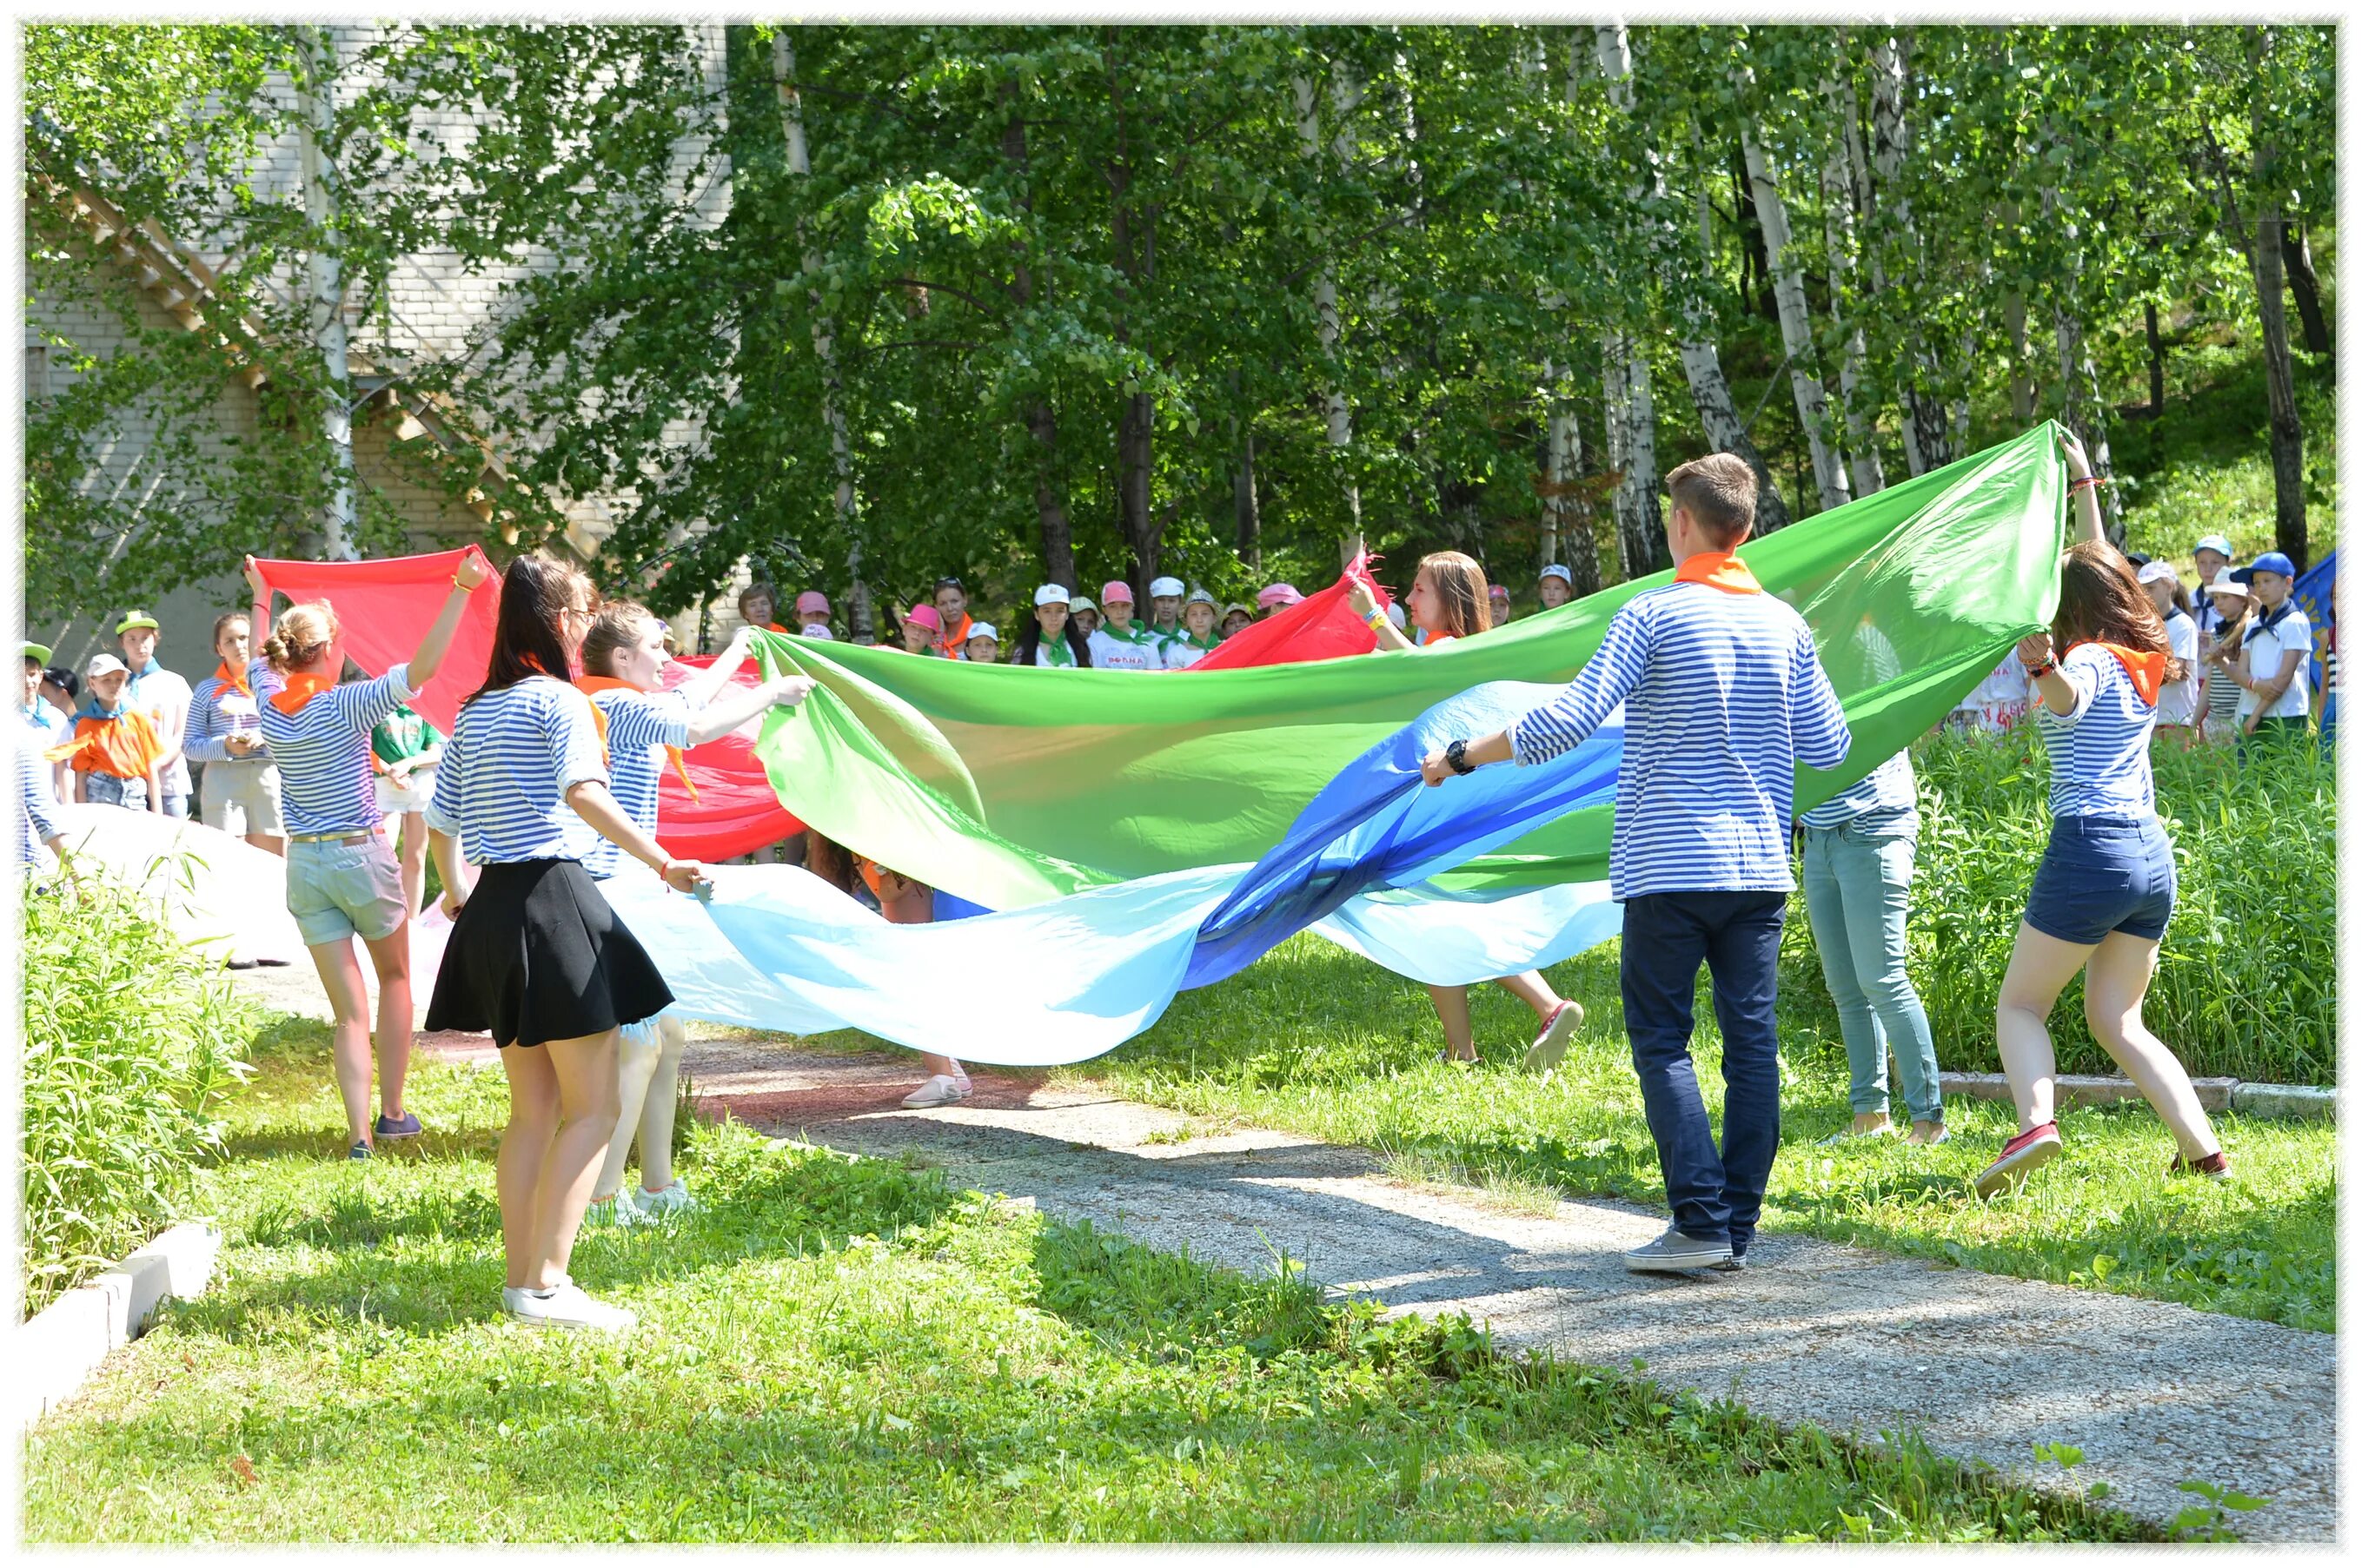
(536, 956)
(2104, 894)
(1449, 600)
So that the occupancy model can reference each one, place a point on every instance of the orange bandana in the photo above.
(2145, 669)
(301, 689)
(234, 680)
(589, 685)
(1718, 569)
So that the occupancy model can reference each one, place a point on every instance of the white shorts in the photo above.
(395, 801)
(241, 796)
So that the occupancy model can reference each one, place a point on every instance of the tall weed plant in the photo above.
(132, 1038)
(2245, 983)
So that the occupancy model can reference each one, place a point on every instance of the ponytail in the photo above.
(299, 637)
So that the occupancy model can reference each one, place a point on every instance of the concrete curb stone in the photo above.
(2214, 1093)
(56, 1350)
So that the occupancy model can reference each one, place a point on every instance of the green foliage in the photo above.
(2246, 983)
(838, 1349)
(132, 1041)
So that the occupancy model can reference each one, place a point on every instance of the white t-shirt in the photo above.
(164, 697)
(2291, 633)
(1139, 651)
(2176, 704)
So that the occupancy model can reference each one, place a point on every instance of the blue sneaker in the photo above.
(407, 1127)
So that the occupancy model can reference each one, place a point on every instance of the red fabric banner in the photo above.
(1323, 627)
(385, 608)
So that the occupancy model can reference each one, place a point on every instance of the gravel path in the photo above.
(1984, 1366)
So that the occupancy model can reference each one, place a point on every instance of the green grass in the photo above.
(839, 1349)
(1315, 1041)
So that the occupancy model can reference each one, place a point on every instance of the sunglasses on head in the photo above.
(951, 582)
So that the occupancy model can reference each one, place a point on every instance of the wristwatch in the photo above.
(1454, 756)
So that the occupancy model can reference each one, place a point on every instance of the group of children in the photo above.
(2243, 645)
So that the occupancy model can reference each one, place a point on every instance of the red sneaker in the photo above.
(2216, 1165)
(2018, 1158)
(1548, 1049)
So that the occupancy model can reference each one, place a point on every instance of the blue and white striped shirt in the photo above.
(1891, 786)
(218, 710)
(1723, 695)
(323, 749)
(2098, 753)
(511, 757)
(37, 802)
(640, 725)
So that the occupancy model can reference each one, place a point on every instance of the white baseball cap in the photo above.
(2224, 583)
(1048, 593)
(983, 629)
(2157, 571)
(105, 664)
(1167, 588)
(1563, 574)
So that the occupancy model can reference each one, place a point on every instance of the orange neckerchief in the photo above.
(1437, 638)
(2145, 669)
(590, 685)
(122, 746)
(299, 690)
(234, 680)
(1718, 569)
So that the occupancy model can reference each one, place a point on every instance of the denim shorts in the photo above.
(339, 891)
(2102, 874)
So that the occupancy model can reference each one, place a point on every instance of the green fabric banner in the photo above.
(1008, 786)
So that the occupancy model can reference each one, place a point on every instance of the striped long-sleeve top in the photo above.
(218, 710)
(1723, 695)
(323, 749)
(512, 755)
(36, 801)
(640, 725)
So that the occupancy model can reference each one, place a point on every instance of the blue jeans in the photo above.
(1714, 1194)
(1857, 894)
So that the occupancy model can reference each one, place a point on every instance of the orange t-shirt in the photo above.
(123, 748)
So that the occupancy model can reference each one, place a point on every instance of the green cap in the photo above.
(38, 653)
(137, 618)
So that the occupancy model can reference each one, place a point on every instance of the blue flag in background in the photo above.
(2315, 595)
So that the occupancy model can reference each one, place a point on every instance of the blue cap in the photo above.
(2270, 561)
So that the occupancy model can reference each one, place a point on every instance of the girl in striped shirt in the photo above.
(646, 730)
(1448, 601)
(535, 955)
(2104, 890)
(342, 881)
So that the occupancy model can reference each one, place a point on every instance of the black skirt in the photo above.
(536, 955)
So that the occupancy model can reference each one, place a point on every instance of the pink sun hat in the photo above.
(1278, 593)
(1115, 593)
(811, 602)
(925, 615)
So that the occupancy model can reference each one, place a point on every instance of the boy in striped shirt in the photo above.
(1723, 695)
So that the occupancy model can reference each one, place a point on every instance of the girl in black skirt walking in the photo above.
(535, 956)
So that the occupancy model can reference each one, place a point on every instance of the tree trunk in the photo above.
(2021, 389)
(1041, 419)
(2086, 414)
(1836, 213)
(1142, 530)
(858, 618)
(1795, 317)
(316, 131)
(1565, 520)
(2295, 246)
(1343, 96)
(1700, 359)
(2279, 373)
(2155, 364)
(1927, 443)
(1244, 502)
(1631, 451)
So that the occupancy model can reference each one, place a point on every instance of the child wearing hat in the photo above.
(1235, 618)
(922, 630)
(1052, 639)
(983, 645)
(1087, 619)
(2175, 707)
(1119, 644)
(164, 697)
(1277, 597)
(1164, 608)
(812, 614)
(2213, 558)
(1196, 637)
(2220, 692)
(117, 755)
(1502, 613)
(1556, 586)
(46, 728)
(2272, 657)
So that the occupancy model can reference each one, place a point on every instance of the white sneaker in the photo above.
(671, 1200)
(1548, 1049)
(940, 1089)
(566, 1307)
